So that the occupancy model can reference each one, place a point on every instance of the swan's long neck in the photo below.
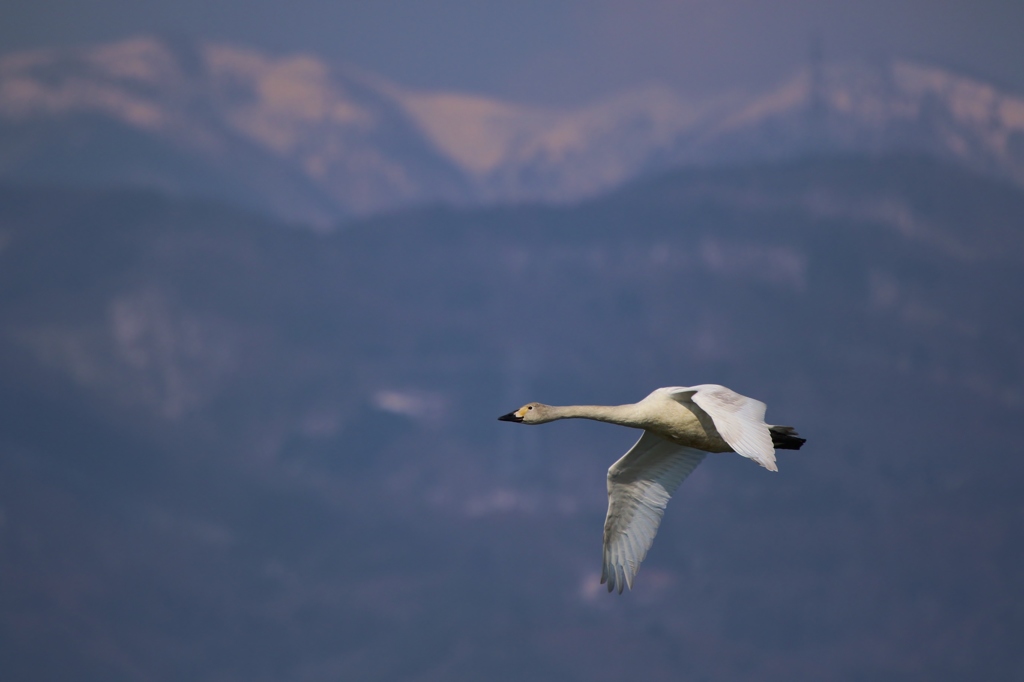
(624, 415)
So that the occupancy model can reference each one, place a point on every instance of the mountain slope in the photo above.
(287, 135)
(233, 450)
(312, 142)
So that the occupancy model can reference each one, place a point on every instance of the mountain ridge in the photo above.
(314, 142)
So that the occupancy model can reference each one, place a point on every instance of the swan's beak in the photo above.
(510, 417)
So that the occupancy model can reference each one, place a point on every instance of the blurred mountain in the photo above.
(286, 135)
(234, 450)
(312, 142)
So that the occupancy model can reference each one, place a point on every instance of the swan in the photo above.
(681, 425)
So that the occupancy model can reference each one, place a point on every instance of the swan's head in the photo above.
(530, 413)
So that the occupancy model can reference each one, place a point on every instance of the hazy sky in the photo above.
(561, 51)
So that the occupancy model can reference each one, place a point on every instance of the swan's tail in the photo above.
(785, 438)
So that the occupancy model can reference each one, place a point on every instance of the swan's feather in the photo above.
(639, 487)
(739, 419)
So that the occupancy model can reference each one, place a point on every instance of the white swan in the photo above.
(681, 424)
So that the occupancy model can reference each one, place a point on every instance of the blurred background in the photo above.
(269, 273)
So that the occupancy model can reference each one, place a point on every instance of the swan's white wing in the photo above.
(639, 487)
(739, 419)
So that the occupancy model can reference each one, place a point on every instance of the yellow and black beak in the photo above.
(510, 417)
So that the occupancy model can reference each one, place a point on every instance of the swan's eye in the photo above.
(530, 407)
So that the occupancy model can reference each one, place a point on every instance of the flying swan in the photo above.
(681, 425)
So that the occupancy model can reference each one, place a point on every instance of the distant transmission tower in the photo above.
(817, 104)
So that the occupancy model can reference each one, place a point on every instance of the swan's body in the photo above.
(681, 425)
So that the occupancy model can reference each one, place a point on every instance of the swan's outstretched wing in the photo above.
(639, 487)
(739, 419)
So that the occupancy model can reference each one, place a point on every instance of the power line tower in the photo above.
(817, 102)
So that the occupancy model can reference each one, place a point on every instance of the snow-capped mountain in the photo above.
(289, 135)
(315, 142)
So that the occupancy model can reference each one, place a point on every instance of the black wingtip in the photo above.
(785, 438)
